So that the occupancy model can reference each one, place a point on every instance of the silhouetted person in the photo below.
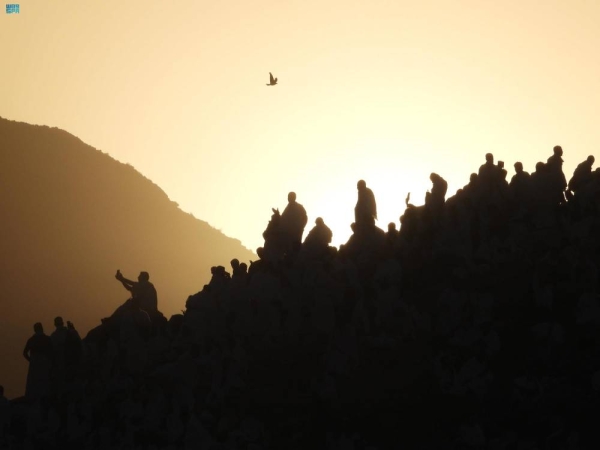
(240, 275)
(438, 191)
(259, 265)
(235, 266)
(293, 222)
(59, 339)
(391, 237)
(142, 290)
(350, 246)
(239, 272)
(366, 207)
(277, 239)
(219, 276)
(541, 185)
(38, 351)
(581, 175)
(318, 239)
(73, 349)
(557, 183)
(503, 183)
(520, 185)
(392, 231)
(488, 172)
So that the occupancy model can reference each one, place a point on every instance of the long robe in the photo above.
(39, 348)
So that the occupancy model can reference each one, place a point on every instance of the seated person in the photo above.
(142, 290)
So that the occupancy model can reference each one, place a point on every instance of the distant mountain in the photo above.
(70, 216)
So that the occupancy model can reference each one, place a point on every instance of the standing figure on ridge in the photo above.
(38, 352)
(489, 177)
(59, 339)
(293, 222)
(73, 349)
(557, 182)
(366, 207)
(519, 187)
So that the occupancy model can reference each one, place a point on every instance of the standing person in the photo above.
(73, 350)
(366, 207)
(38, 352)
(59, 340)
(293, 222)
(557, 182)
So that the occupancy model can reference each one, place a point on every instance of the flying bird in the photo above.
(272, 81)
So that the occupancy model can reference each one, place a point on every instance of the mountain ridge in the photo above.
(72, 215)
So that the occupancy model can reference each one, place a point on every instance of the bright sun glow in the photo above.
(382, 91)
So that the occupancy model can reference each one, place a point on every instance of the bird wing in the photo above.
(271, 78)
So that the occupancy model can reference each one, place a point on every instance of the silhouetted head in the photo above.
(361, 185)
(235, 263)
(319, 222)
(504, 174)
(434, 177)
(473, 178)
(70, 325)
(558, 150)
(353, 226)
(489, 158)
(213, 270)
(244, 267)
(58, 322)
(292, 197)
(38, 327)
(260, 252)
(518, 167)
(391, 226)
(539, 167)
(590, 159)
(501, 164)
(143, 276)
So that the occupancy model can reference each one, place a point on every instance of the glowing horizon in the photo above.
(385, 92)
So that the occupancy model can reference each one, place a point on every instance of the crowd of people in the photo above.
(475, 324)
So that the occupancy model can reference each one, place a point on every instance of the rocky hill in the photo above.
(70, 217)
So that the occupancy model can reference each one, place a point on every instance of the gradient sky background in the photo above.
(387, 91)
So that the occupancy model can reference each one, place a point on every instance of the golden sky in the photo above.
(386, 91)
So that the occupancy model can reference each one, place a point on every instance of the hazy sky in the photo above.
(387, 91)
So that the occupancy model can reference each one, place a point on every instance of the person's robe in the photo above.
(39, 347)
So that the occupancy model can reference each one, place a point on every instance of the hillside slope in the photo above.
(70, 216)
